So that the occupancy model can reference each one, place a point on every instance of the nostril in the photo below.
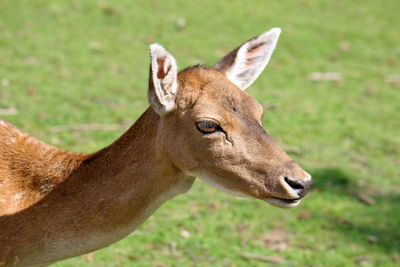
(294, 184)
(301, 187)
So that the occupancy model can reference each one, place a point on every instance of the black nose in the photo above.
(300, 186)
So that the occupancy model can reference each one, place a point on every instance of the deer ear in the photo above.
(163, 80)
(243, 65)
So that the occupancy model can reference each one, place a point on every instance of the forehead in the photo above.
(211, 90)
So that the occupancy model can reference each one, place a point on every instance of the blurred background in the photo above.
(75, 75)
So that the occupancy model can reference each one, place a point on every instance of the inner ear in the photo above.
(161, 74)
(251, 52)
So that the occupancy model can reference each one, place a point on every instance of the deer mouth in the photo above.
(283, 202)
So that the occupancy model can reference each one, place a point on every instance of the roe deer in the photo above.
(200, 123)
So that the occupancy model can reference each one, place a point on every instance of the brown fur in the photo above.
(90, 193)
(55, 204)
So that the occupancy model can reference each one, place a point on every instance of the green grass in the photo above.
(74, 62)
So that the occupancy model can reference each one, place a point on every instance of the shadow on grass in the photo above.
(374, 225)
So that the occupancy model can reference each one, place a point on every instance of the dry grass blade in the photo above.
(362, 197)
(270, 259)
(365, 199)
(89, 127)
(393, 78)
(8, 111)
(325, 76)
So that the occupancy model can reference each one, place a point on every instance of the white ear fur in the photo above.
(243, 65)
(163, 84)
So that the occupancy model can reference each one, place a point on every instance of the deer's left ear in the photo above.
(243, 65)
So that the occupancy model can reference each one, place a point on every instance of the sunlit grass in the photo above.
(76, 62)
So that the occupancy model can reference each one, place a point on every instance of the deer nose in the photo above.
(300, 186)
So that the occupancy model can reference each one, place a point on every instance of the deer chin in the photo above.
(205, 177)
(283, 203)
(274, 201)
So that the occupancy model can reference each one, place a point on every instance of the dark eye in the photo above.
(207, 127)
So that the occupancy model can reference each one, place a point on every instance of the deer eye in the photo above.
(207, 127)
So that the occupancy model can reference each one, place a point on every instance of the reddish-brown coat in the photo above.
(56, 204)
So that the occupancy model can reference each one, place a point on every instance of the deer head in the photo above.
(211, 129)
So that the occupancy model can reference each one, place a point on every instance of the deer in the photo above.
(201, 123)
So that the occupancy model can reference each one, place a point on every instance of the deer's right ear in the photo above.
(163, 84)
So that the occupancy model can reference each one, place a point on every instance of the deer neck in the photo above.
(105, 198)
(137, 170)
(135, 167)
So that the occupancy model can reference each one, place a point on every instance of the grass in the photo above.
(74, 62)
